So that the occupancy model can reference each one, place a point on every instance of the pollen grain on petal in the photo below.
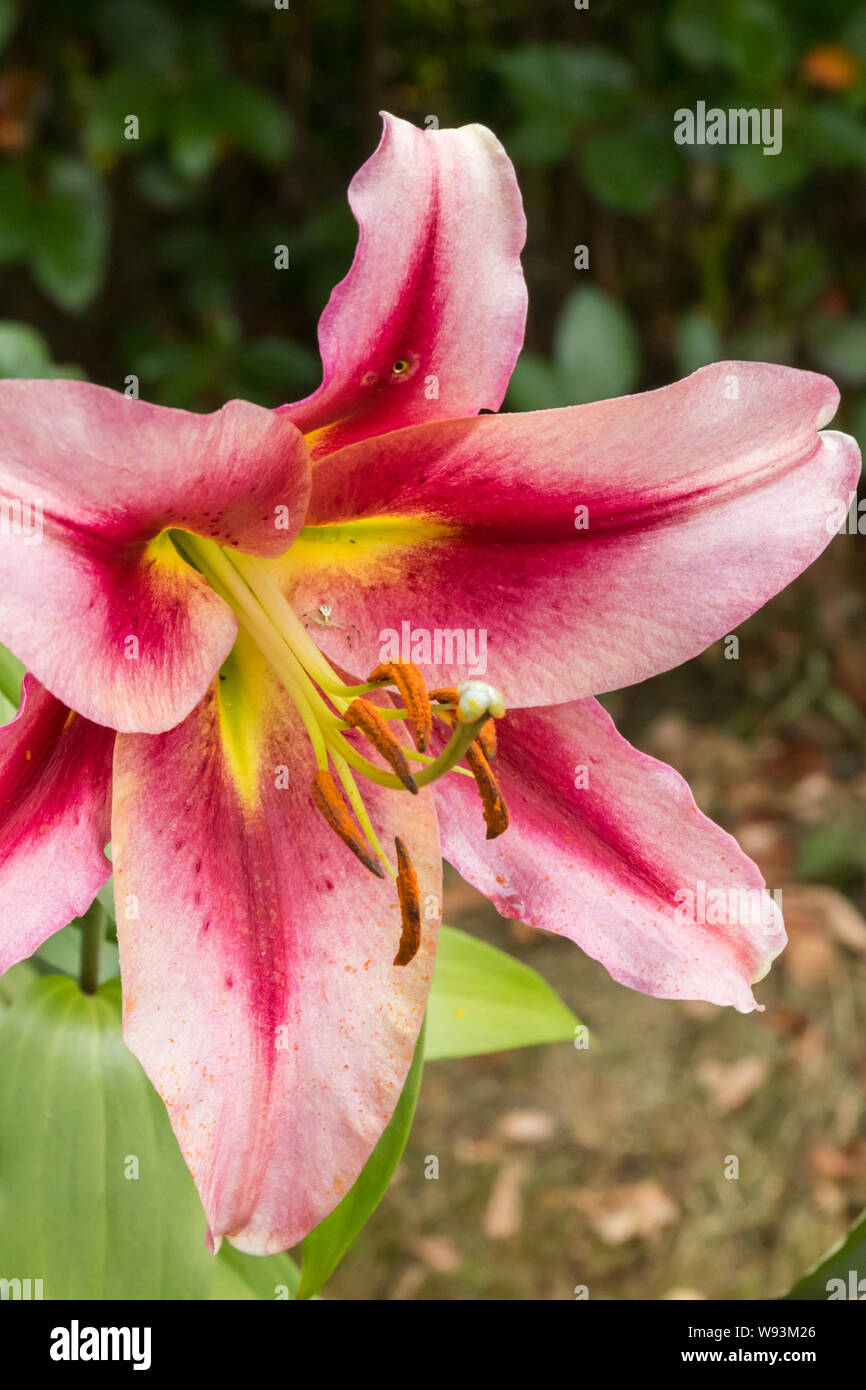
(410, 905)
(365, 717)
(329, 800)
(492, 800)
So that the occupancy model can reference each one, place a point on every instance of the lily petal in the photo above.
(701, 500)
(256, 957)
(607, 847)
(55, 795)
(93, 598)
(435, 286)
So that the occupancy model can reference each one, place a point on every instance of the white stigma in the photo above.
(476, 699)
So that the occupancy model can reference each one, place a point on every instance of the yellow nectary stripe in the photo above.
(363, 540)
(242, 687)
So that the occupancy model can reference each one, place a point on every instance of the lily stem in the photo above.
(92, 932)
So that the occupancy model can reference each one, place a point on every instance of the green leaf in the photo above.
(8, 20)
(267, 368)
(829, 133)
(765, 177)
(254, 120)
(483, 1000)
(140, 27)
(630, 170)
(68, 251)
(833, 853)
(762, 342)
(845, 1261)
(748, 37)
(245, 1277)
(126, 91)
(756, 40)
(62, 952)
(15, 212)
(695, 32)
(697, 342)
(221, 110)
(194, 136)
(75, 1110)
(14, 982)
(23, 352)
(325, 1246)
(838, 345)
(854, 35)
(858, 424)
(566, 82)
(595, 348)
(533, 384)
(11, 676)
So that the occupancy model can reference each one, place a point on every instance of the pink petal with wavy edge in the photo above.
(109, 618)
(700, 507)
(55, 795)
(435, 283)
(259, 992)
(623, 863)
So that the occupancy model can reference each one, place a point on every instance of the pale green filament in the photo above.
(215, 566)
(357, 804)
(246, 584)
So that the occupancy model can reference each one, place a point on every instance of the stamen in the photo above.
(446, 696)
(410, 905)
(410, 683)
(350, 787)
(495, 809)
(364, 716)
(328, 708)
(487, 739)
(328, 799)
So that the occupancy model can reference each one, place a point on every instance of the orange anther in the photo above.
(410, 906)
(329, 800)
(364, 716)
(487, 738)
(446, 696)
(410, 683)
(495, 810)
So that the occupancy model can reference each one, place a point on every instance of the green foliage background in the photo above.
(155, 256)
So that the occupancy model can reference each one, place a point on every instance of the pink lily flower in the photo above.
(211, 595)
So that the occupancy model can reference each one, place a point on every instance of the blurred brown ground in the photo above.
(560, 1168)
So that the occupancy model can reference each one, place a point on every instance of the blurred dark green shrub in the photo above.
(155, 255)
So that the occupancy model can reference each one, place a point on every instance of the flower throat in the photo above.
(330, 710)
